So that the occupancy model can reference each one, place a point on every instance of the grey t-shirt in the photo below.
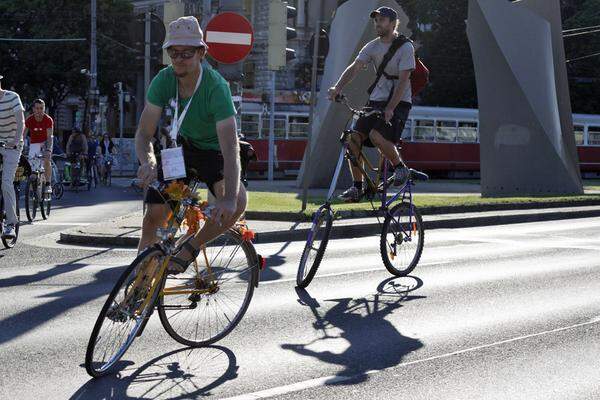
(403, 60)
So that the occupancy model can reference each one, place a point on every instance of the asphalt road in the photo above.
(493, 312)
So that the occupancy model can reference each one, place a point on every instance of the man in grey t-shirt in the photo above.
(392, 94)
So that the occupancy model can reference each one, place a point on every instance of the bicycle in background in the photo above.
(402, 232)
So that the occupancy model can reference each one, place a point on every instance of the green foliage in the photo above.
(52, 70)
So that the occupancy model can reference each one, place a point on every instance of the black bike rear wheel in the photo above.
(10, 243)
(315, 247)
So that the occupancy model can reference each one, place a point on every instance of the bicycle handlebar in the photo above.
(341, 98)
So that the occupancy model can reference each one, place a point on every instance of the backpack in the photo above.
(419, 78)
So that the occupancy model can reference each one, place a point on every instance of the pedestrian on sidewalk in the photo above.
(391, 93)
(12, 125)
(40, 128)
(204, 128)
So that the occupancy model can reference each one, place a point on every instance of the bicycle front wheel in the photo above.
(203, 305)
(402, 238)
(318, 237)
(130, 302)
(31, 199)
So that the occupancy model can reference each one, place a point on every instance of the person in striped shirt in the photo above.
(12, 124)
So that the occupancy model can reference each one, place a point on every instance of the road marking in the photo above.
(62, 223)
(332, 379)
(358, 271)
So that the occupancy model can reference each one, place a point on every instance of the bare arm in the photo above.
(403, 82)
(349, 74)
(230, 148)
(20, 127)
(145, 133)
(49, 139)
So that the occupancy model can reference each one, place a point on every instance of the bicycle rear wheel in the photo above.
(402, 238)
(124, 312)
(197, 309)
(31, 199)
(58, 190)
(318, 237)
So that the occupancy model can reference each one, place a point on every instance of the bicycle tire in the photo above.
(118, 312)
(58, 190)
(322, 223)
(45, 206)
(31, 200)
(195, 329)
(9, 244)
(389, 252)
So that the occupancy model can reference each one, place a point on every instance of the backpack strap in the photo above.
(396, 44)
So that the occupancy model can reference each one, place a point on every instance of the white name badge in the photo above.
(173, 165)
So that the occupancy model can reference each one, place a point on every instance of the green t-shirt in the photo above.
(211, 103)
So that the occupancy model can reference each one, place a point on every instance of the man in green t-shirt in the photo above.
(207, 134)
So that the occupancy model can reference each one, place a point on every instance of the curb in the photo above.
(301, 217)
(353, 231)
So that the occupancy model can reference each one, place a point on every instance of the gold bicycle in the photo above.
(197, 307)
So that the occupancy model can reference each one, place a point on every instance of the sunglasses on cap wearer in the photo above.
(184, 54)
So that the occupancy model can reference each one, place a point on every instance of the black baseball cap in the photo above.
(385, 12)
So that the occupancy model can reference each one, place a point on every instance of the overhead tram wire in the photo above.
(42, 40)
(580, 33)
(581, 29)
(583, 57)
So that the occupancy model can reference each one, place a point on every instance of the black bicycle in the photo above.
(92, 172)
(402, 232)
(9, 243)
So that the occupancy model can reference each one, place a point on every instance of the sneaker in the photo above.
(401, 176)
(351, 195)
(48, 188)
(9, 231)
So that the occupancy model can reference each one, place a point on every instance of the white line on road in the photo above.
(357, 271)
(332, 379)
(62, 223)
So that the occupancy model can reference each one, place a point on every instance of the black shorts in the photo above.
(207, 166)
(391, 132)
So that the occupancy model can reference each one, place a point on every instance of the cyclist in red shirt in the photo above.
(40, 127)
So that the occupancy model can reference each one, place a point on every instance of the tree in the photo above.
(52, 70)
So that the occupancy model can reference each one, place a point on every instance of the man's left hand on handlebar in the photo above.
(388, 114)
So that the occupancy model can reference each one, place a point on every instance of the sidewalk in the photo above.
(125, 231)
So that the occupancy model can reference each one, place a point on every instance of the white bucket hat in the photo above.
(185, 31)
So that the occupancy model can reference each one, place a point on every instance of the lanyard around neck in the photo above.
(178, 119)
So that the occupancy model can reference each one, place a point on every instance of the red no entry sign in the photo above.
(229, 37)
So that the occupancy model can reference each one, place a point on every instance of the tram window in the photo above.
(250, 125)
(298, 126)
(279, 126)
(594, 135)
(406, 132)
(424, 131)
(579, 131)
(467, 132)
(446, 131)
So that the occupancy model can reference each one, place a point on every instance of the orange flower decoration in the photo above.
(248, 235)
(177, 190)
(193, 216)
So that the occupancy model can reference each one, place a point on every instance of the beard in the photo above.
(383, 32)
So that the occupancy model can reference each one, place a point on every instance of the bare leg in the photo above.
(355, 145)
(388, 148)
(156, 217)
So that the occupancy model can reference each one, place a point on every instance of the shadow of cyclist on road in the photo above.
(179, 374)
(356, 333)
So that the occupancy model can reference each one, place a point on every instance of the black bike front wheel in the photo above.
(402, 239)
(315, 246)
(124, 312)
(46, 205)
(31, 199)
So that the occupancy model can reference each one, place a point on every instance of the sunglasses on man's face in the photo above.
(184, 54)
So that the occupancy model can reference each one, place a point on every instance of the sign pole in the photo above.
(272, 128)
